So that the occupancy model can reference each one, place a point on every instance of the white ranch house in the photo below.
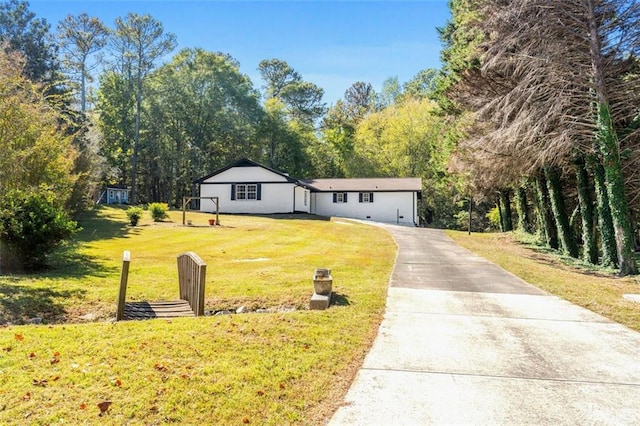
(251, 188)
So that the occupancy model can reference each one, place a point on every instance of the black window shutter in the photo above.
(233, 191)
(335, 197)
(360, 197)
(259, 191)
(371, 197)
(345, 197)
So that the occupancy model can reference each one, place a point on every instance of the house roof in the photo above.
(245, 162)
(333, 185)
(365, 184)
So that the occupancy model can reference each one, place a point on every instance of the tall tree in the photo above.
(142, 41)
(302, 99)
(36, 151)
(544, 65)
(409, 140)
(339, 126)
(79, 37)
(30, 36)
(391, 91)
(201, 113)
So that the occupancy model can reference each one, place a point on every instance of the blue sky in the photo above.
(331, 43)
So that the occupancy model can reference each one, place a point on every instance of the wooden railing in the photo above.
(192, 273)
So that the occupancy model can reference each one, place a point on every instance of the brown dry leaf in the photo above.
(117, 382)
(39, 382)
(260, 393)
(246, 421)
(19, 337)
(104, 406)
(27, 396)
(281, 386)
(32, 355)
(8, 349)
(153, 408)
(160, 367)
(56, 354)
(83, 406)
(55, 378)
(54, 360)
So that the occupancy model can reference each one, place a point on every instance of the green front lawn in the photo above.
(264, 368)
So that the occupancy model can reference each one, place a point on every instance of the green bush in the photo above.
(31, 227)
(158, 211)
(134, 214)
(494, 218)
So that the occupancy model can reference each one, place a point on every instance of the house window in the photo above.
(366, 197)
(252, 192)
(339, 197)
(245, 191)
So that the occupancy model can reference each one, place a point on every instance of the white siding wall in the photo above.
(246, 174)
(386, 207)
(275, 198)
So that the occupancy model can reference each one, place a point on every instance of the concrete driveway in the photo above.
(465, 342)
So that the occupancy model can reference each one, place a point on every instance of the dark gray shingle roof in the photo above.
(365, 184)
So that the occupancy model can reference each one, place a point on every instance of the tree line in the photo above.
(548, 94)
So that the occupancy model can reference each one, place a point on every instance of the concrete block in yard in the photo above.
(323, 285)
(320, 302)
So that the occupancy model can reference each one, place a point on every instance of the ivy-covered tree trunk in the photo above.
(589, 245)
(539, 211)
(505, 200)
(605, 221)
(500, 214)
(567, 241)
(544, 206)
(620, 213)
(608, 144)
(524, 222)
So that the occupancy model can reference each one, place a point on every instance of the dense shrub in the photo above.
(134, 214)
(158, 211)
(31, 226)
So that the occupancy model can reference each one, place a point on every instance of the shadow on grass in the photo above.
(97, 226)
(20, 302)
(340, 299)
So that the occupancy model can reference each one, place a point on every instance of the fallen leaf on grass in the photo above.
(54, 360)
(8, 349)
(154, 408)
(83, 406)
(260, 393)
(32, 355)
(19, 337)
(281, 386)
(116, 382)
(160, 367)
(246, 421)
(39, 382)
(104, 406)
(27, 396)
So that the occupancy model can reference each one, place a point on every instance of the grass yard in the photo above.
(258, 368)
(595, 289)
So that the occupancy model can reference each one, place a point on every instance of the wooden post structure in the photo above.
(186, 200)
(124, 278)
